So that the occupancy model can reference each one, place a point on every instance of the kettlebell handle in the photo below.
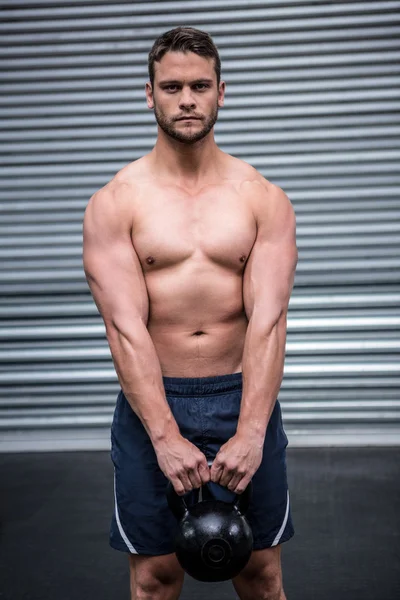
(179, 508)
(242, 501)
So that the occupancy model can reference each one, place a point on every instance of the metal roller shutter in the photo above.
(312, 102)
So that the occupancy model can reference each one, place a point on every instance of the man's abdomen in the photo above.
(200, 351)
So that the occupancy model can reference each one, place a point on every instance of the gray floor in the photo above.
(55, 511)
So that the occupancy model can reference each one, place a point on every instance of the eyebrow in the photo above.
(176, 82)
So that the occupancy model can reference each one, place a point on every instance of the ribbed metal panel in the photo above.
(313, 101)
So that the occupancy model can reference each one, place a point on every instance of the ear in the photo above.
(149, 95)
(221, 94)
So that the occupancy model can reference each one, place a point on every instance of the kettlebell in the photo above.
(214, 540)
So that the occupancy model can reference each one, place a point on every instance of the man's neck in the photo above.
(188, 165)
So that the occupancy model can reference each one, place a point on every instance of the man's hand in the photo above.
(236, 463)
(183, 464)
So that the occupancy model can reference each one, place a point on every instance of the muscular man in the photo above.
(190, 256)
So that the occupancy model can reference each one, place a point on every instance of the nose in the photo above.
(186, 101)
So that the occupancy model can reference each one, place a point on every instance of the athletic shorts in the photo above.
(206, 410)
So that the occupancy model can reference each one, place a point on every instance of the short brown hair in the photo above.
(184, 39)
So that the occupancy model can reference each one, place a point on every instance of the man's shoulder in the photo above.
(252, 184)
(123, 185)
(247, 176)
(130, 175)
(267, 200)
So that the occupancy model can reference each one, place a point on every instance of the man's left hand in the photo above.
(236, 463)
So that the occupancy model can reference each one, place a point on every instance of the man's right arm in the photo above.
(117, 284)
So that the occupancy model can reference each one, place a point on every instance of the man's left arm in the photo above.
(267, 286)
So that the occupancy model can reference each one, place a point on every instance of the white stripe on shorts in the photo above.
(121, 530)
(282, 529)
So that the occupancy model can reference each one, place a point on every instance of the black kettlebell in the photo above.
(214, 540)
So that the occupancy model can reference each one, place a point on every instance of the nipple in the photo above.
(243, 258)
(150, 260)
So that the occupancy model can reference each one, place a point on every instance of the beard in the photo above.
(169, 127)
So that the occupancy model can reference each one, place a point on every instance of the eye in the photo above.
(201, 86)
(170, 88)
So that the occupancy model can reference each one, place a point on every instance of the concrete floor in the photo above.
(55, 512)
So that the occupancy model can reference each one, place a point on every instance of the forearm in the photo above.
(139, 373)
(262, 368)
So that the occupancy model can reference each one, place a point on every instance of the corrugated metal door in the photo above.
(312, 102)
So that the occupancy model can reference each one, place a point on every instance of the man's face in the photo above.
(185, 96)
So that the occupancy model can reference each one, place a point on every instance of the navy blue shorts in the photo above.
(206, 410)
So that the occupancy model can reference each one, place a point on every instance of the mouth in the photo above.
(188, 119)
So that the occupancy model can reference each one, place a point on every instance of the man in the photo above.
(190, 256)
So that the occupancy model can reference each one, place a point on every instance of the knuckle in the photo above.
(205, 475)
(190, 465)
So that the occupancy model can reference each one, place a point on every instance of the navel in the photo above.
(150, 260)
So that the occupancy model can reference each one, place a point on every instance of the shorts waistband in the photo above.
(200, 386)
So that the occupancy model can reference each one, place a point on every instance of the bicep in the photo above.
(112, 267)
(269, 274)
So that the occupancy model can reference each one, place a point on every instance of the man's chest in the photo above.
(170, 227)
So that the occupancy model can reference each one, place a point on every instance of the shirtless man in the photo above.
(190, 256)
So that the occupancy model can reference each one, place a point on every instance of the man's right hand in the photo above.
(183, 464)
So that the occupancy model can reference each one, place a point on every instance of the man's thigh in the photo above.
(262, 572)
(159, 576)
